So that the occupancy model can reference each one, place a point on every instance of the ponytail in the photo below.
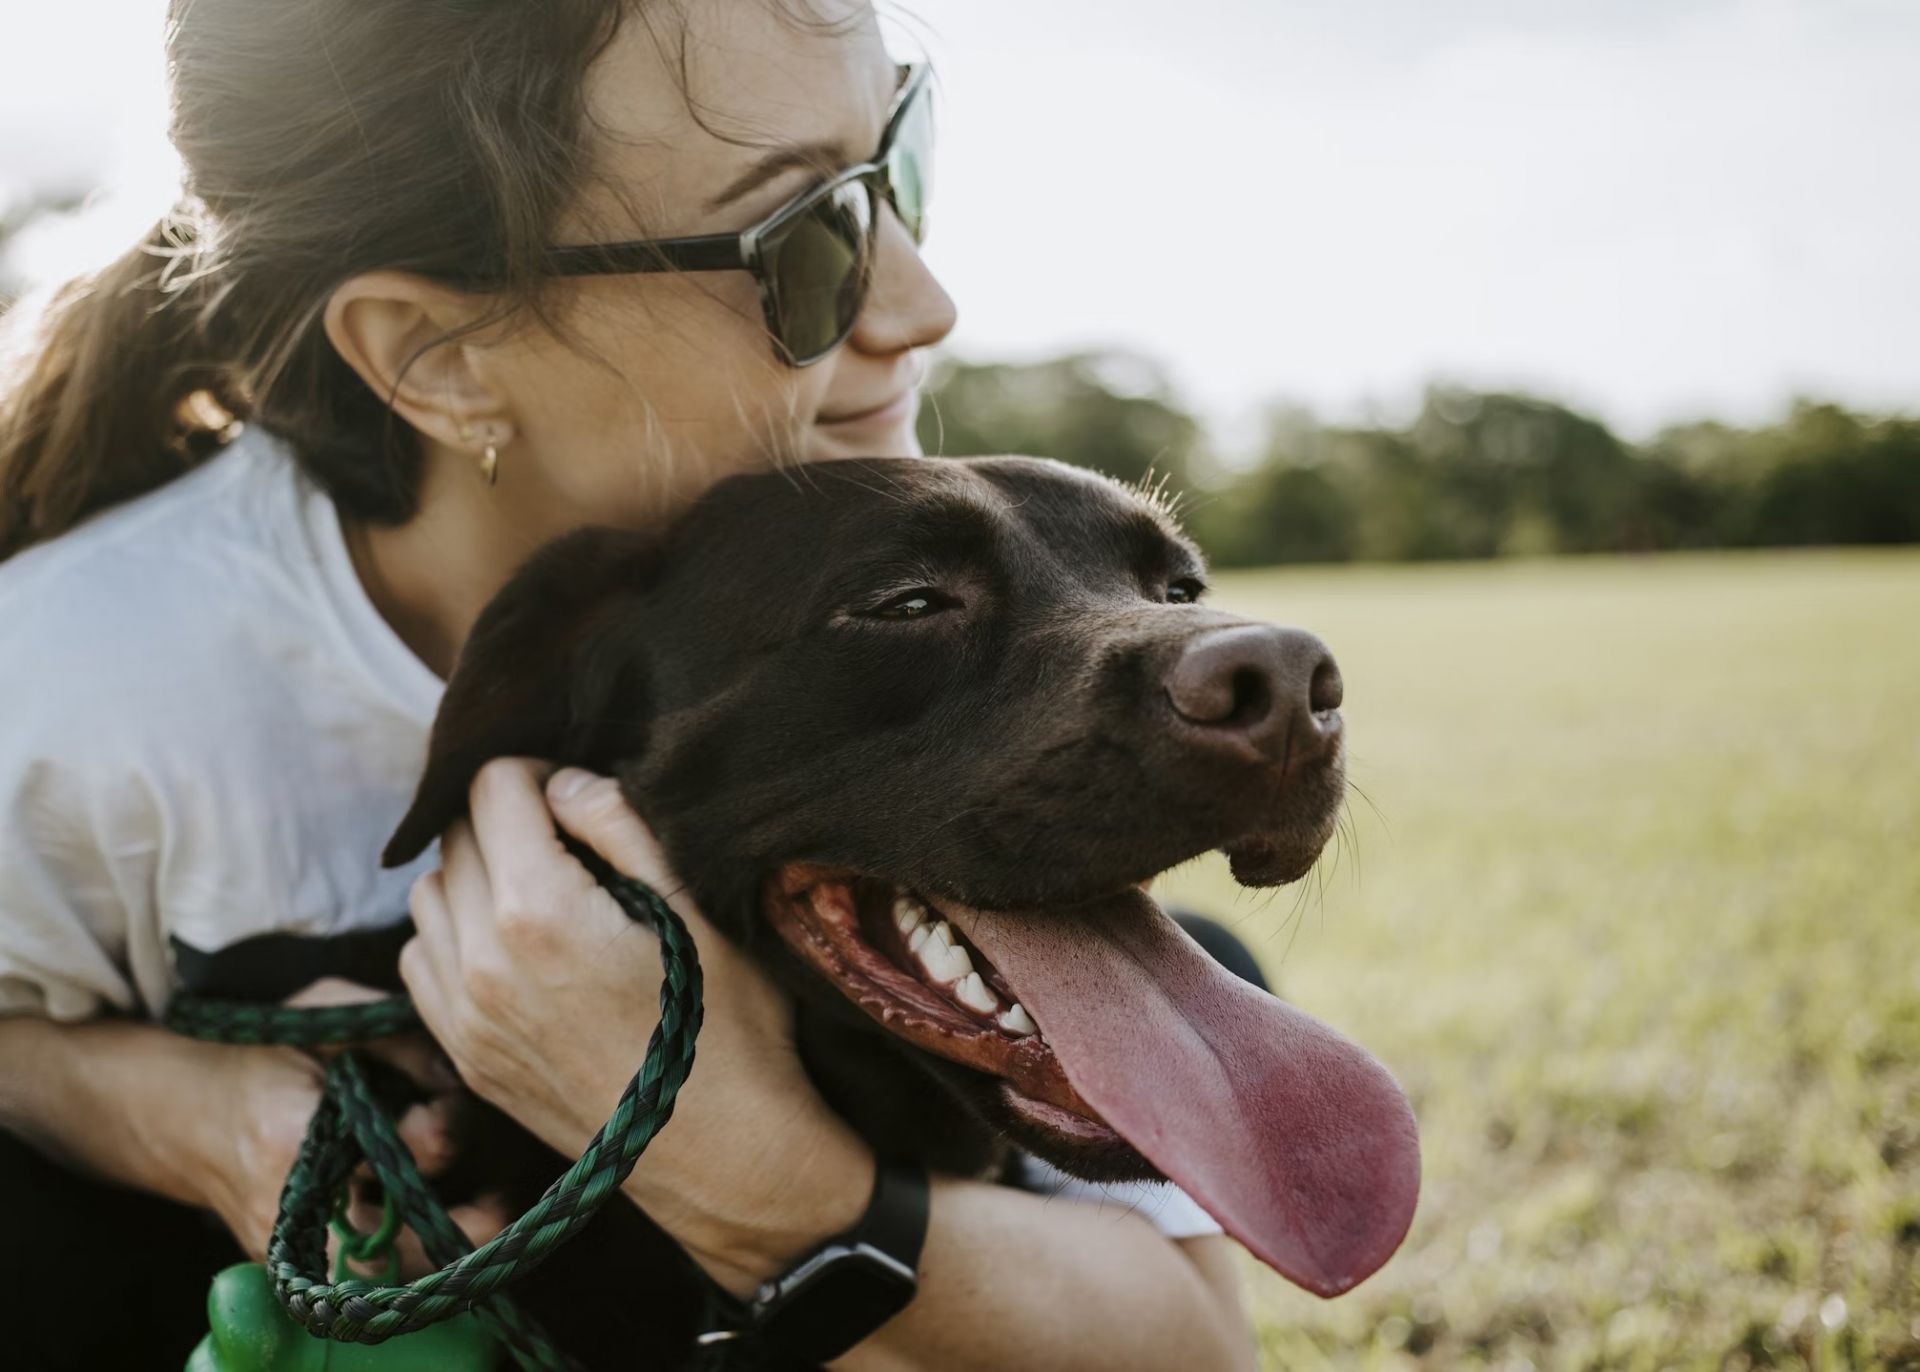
(441, 137)
(117, 388)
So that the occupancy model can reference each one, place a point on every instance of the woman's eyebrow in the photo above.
(813, 156)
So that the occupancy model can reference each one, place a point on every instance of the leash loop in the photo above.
(350, 1126)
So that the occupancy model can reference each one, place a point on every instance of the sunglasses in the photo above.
(813, 257)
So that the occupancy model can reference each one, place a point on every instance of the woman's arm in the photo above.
(203, 1124)
(211, 1125)
(541, 991)
(1009, 1279)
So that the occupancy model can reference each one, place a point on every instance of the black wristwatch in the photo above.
(851, 1284)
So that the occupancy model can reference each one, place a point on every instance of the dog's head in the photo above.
(915, 732)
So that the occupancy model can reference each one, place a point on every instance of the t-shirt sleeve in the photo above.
(1162, 1204)
(71, 878)
(78, 837)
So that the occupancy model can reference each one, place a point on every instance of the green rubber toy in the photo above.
(249, 1332)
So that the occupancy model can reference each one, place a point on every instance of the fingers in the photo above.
(504, 866)
(508, 860)
(529, 975)
(481, 1220)
(464, 887)
(512, 827)
(417, 1056)
(364, 1208)
(430, 960)
(435, 963)
(426, 1128)
(414, 1262)
(333, 991)
(593, 810)
(532, 886)
(425, 983)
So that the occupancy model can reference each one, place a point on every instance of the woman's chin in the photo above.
(855, 438)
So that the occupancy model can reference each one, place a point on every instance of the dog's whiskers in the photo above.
(1378, 813)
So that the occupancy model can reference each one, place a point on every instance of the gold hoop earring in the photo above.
(490, 463)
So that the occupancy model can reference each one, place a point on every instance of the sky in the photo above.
(1651, 209)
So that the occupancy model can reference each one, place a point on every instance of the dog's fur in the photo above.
(1012, 749)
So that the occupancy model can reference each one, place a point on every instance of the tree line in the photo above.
(1474, 475)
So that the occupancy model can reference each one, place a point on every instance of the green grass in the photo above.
(1634, 915)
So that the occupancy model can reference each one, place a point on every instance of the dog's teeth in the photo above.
(959, 965)
(944, 932)
(1016, 1020)
(908, 914)
(935, 958)
(973, 993)
(945, 963)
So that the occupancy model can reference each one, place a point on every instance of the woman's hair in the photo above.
(321, 139)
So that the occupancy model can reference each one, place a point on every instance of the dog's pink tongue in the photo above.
(1296, 1140)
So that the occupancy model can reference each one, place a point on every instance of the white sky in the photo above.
(1653, 208)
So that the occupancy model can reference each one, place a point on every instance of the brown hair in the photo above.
(321, 139)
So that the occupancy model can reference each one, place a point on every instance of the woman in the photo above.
(218, 689)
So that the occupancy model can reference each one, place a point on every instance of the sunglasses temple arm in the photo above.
(717, 252)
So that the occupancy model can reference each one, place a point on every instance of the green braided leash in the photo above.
(351, 1126)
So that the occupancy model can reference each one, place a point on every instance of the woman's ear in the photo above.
(551, 670)
(393, 329)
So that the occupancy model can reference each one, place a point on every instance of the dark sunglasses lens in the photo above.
(910, 164)
(818, 271)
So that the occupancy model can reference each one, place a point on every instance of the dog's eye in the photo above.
(1186, 590)
(918, 603)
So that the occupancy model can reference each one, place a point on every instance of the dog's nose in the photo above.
(1278, 690)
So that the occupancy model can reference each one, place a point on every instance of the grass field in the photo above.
(1634, 914)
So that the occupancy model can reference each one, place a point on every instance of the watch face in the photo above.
(835, 1300)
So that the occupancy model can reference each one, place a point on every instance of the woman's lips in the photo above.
(894, 411)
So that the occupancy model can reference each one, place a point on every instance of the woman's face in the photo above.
(656, 385)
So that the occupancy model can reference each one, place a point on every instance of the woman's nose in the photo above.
(906, 305)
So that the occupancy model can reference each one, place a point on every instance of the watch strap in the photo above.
(897, 1210)
(819, 1316)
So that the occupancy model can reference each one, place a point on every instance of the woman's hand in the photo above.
(544, 994)
(258, 1113)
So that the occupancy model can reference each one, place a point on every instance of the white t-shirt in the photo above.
(207, 734)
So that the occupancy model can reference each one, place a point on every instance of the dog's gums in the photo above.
(914, 974)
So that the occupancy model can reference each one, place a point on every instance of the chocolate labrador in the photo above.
(915, 733)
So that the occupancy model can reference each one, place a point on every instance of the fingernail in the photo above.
(567, 783)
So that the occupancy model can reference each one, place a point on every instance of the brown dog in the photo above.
(914, 732)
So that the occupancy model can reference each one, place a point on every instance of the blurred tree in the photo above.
(1832, 477)
(1288, 507)
(1822, 476)
(1113, 412)
(1474, 475)
(1520, 469)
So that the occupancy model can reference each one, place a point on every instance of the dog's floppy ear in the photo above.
(528, 682)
